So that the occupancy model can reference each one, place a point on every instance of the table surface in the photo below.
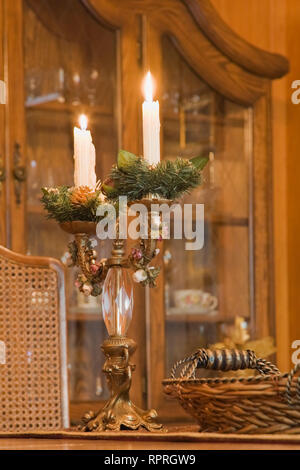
(71, 444)
(175, 439)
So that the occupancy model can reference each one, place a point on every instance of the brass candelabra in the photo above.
(119, 411)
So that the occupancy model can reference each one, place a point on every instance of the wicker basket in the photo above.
(261, 404)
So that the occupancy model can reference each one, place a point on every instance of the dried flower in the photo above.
(136, 253)
(52, 190)
(97, 290)
(140, 275)
(87, 289)
(94, 268)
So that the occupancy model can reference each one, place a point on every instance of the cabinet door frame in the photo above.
(241, 73)
(3, 165)
(14, 125)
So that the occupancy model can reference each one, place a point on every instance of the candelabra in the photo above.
(75, 209)
(117, 305)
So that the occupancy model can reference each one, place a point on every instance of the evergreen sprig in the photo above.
(135, 178)
(59, 206)
(132, 177)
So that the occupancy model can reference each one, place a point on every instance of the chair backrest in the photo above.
(33, 364)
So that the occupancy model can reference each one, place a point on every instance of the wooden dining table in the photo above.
(177, 438)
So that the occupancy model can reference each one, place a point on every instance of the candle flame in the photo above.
(148, 87)
(83, 122)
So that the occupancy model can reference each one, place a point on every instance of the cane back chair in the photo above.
(33, 364)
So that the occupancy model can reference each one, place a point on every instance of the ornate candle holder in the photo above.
(76, 210)
(117, 305)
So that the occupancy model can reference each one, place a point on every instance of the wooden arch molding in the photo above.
(228, 63)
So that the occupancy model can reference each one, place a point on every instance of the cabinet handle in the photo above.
(19, 172)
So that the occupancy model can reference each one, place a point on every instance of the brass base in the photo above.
(119, 412)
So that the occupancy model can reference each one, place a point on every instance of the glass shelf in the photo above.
(69, 108)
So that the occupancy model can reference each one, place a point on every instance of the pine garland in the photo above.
(132, 177)
(135, 178)
(61, 205)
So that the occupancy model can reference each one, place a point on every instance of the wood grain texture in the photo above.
(262, 219)
(281, 188)
(64, 25)
(106, 11)
(270, 33)
(14, 117)
(241, 52)
(177, 438)
(292, 165)
(171, 17)
(233, 271)
(3, 186)
(71, 444)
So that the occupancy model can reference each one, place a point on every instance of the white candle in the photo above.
(151, 124)
(84, 155)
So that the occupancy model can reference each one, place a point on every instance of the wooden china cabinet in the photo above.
(62, 58)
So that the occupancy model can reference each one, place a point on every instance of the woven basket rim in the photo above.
(223, 380)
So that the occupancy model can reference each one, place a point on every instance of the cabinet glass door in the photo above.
(70, 69)
(206, 291)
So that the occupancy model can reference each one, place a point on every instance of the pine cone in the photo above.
(81, 195)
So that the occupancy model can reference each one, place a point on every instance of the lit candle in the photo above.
(151, 124)
(84, 155)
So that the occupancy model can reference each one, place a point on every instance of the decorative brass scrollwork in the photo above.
(119, 412)
(19, 172)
